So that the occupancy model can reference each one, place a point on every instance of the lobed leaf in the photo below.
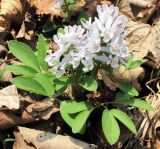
(29, 84)
(127, 88)
(42, 46)
(135, 102)
(110, 127)
(125, 119)
(45, 83)
(22, 70)
(89, 83)
(24, 53)
(80, 121)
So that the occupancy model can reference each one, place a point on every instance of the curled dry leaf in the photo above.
(43, 140)
(11, 10)
(9, 97)
(42, 110)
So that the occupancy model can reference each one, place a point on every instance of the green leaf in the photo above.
(62, 83)
(50, 76)
(61, 30)
(9, 140)
(24, 53)
(69, 2)
(125, 119)
(29, 84)
(110, 127)
(1, 74)
(127, 88)
(22, 70)
(89, 83)
(45, 83)
(122, 96)
(42, 46)
(136, 64)
(76, 107)
(83, 17)
(80, 121)
(135, 102)
(68, 118)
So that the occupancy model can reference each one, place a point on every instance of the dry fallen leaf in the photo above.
(142, 39)
(20, 143)
(138, 10)
(11, 10)
(42, 110)
(9, 97)
(45, 7)
(43, 140)
(8, 119)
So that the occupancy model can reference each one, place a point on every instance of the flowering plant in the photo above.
(101, 40)
(83, 49)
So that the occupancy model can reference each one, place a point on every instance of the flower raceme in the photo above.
(101, 40)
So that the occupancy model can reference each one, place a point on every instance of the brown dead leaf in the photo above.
(45, 7)
(9, 119)
(78, 5)
(9, 97)
(131, 76)
(138, 10)
(142, 39)
(20, 143)
(7, 75)
(42, 110)
(43, 140)
(11, 10)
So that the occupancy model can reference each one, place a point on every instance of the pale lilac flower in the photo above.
(102, 40)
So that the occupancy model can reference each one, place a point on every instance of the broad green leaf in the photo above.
(24, 53)
(29, 84)
(83, 17)
(122, 96)
(89, 83)
(80, 121)
(125, 119)
(76, 107)
(1, 74)
(68, 118)
(127, 88)
(22, 70)
(135, 102)
(110, 127)
(136, 64)
(42, 47)
(45, 83)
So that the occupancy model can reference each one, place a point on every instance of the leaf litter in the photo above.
(143, 38)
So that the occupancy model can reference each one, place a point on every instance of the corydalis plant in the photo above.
(101, 40)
